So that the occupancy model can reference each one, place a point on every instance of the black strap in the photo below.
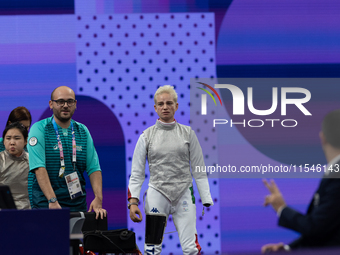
(99, 234)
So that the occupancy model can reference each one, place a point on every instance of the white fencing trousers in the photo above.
(183, 215)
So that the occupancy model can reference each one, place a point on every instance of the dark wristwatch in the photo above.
(133, 203)
(52, 200)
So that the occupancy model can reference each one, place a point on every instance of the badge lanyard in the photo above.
(74, 149)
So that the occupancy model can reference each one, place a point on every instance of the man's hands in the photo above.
(134, 211)
(272, 247)
(54, 205)
(96, 206)
(275, 198)
(46, 187)
(97, 203)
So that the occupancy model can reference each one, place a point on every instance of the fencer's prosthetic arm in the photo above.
(201, 179)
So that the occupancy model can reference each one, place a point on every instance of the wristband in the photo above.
(52, 200)
(129, 204)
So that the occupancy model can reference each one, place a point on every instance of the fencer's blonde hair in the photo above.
(166, 89)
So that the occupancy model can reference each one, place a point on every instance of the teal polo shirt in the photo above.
(44, 152)
(2, 146)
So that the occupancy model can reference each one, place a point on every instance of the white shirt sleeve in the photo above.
(279, 211)
(196, 160)
(138, 168)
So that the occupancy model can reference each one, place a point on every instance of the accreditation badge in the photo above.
(73, 185)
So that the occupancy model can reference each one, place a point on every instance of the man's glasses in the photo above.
(62, 102)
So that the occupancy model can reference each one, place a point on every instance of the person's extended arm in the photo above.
(46, 187)
(97, 187)
(201, 179)
(317, 224)
(320, 222)
(137, 178)
(94, 172)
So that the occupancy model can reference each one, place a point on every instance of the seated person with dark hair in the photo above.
(19, 114)
(14, 165)
(320, 226)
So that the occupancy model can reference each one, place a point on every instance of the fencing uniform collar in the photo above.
(165, 126)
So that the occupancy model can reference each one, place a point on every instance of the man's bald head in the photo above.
(63, 104)
(62, 89)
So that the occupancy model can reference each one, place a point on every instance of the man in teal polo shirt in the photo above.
(60, 150)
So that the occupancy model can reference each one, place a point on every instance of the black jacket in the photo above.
(320, 227)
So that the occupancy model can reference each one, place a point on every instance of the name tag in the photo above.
(73, 185)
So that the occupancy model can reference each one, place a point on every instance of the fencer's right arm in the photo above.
(137, 178)
(138, 169)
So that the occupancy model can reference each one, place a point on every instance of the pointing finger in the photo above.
(274, 187)
(268, 186)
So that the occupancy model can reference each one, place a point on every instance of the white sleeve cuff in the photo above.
(279, 211)
(286, 247)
